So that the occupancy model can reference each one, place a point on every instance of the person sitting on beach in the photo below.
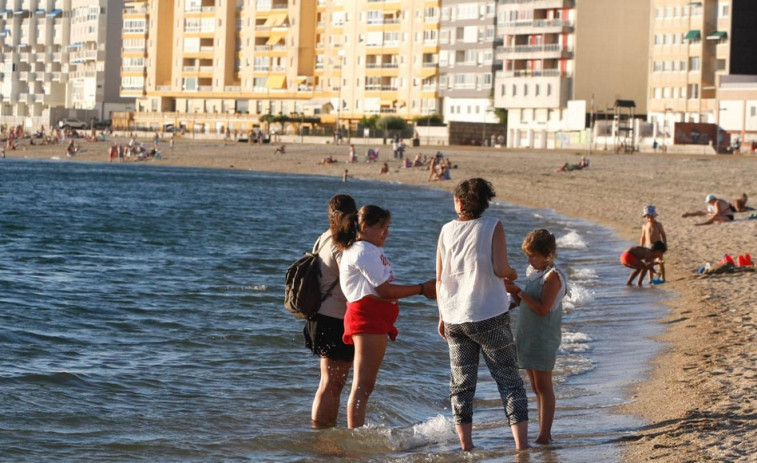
(327, 160)
(739, 204)
(280, 150)
(718, 210)
(418, 161)
(651, 232)
(384, 169)
(641, 260)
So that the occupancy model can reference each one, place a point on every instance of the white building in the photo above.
(59, 58)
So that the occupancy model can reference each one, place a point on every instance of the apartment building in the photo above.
(55, 60)
(565, 61)
(467, 39)
(694, 44)
(213, 66)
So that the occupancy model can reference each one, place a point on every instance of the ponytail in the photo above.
(344, 230)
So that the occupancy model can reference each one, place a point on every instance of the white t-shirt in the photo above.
(363, 267)
(469, 290)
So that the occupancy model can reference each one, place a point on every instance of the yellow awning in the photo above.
(275, 38)
(276, 82)
(389, 102)
(428, 72)
(301, 79)
(275, 20)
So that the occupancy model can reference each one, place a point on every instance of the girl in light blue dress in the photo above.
(538, 332)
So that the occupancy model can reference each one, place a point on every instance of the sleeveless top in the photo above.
(329, 256)
(469, 290)
(538, 338)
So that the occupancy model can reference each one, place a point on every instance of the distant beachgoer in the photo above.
(718, 211)
(739, 204)
(651, 232)
(280, 150)
(384, 169)
(353, 155)
(641, 260)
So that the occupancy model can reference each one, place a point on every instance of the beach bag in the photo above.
(302, 290)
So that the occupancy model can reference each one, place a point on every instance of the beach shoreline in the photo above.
(697, 396)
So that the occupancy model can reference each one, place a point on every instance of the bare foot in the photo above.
(543, 440)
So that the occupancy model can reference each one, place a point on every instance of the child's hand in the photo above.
(511, 287)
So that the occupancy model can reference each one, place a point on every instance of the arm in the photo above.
(392, 292)
(499, 254)
(440, 326)
(663, 237)
(548, 295)
(643, 235)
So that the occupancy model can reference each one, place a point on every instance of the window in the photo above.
(694, 63)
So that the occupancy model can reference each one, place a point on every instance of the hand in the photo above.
(511, 287)
(441, 329)
(429, 289)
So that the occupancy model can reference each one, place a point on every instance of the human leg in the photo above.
(541, 382)
(498, 348)
(369, 353)
(463, 359)
(326, 402)
(633, 275)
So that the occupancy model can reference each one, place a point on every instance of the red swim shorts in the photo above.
(628, 259)
(370, 316)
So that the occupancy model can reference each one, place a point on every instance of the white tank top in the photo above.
(469, 290)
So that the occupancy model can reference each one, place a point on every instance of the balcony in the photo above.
(381, 65)
(547, 51)
(541, 4)
(539, 26)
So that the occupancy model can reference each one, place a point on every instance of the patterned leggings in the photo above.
(494, 339)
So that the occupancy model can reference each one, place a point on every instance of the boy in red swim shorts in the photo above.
(641, 260)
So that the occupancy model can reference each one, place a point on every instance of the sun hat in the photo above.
(709, 198)
(649, 211)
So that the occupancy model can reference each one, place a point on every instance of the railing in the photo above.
(551, 47)
(380, 88)
(381, 65)
(542, 73)
(540, 23)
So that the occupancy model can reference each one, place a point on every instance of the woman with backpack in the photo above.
(323, 331)
(367, 280)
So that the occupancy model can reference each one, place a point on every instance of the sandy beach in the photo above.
(698, 397)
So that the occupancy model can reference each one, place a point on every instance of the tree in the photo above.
(430, 120)
(391, 123)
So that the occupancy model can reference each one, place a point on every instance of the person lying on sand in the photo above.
(718, 211)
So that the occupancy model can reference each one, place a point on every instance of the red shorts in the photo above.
(628, 259)
(370, 316)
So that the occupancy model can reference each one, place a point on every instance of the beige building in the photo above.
(564, 61)
(690, 51)
(214, 65)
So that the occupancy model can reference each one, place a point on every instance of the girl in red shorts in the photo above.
(366, 278)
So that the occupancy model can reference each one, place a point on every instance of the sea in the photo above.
(141, 319)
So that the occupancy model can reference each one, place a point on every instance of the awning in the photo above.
(275, 20)
(276, 82)
(692, 35)
(389, 102)
(39, 11)
(316, 103)
(55, 13)
(301, 79)
(21, 12)
(717, 35)
(275, 38)
(5, 33)
(428, 72)
(74, 45)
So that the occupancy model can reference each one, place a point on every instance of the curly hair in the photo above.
(474, 195)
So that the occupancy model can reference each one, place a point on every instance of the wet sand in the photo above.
(698, 397)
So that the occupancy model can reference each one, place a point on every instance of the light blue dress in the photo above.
(538, 338)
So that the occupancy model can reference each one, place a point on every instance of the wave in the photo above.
(572, 240)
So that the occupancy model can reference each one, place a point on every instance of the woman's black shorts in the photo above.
(323, 336)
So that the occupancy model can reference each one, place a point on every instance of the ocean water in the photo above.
(141, 319)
